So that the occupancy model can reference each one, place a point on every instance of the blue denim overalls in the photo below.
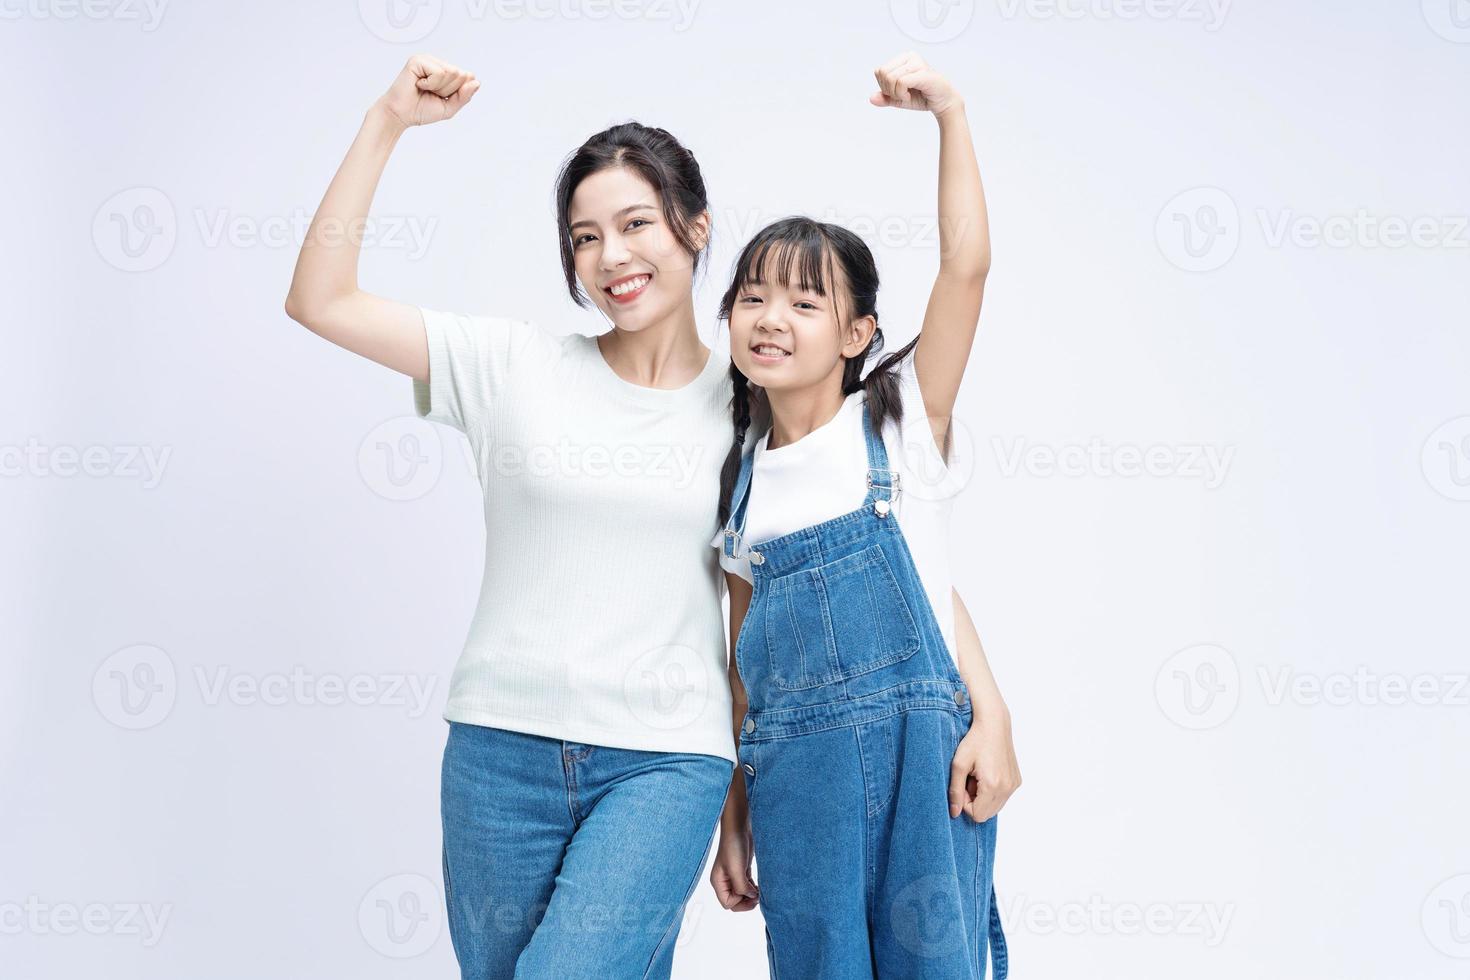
(855, 711)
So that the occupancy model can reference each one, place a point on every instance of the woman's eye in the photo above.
(581, 240)
(639, 221)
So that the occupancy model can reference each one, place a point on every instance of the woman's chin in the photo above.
(636, 319)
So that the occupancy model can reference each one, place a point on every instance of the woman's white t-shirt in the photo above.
(824, 475)
(599, 617)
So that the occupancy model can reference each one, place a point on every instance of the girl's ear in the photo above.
(859, 334)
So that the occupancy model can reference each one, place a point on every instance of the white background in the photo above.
(1239, 697)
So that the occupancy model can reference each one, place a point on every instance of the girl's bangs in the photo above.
(799, 258)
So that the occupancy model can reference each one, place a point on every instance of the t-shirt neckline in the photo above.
(763, 447)
(696, 385)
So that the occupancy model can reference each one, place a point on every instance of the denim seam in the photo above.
(570, 773)
(916, 705)
(771, 953)
(449, 895)
(693, 883)
(982, 927)
(869, 858)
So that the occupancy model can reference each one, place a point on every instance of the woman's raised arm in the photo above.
(324, 295)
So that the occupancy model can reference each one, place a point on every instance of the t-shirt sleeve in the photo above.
(471, 359)
(925, 460)
(736, 566)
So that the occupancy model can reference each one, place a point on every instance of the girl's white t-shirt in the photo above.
(824, 475)
(599, 616)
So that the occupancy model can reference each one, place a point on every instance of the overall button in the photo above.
(959, 697)
(749, 725)
(749, 769)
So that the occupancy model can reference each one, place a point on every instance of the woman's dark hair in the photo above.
(809, 254)
(658, 158)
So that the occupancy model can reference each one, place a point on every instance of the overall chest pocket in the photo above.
(837, 620)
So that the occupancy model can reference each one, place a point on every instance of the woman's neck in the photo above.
(666, 354)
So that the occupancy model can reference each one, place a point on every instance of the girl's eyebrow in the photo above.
(625, 211)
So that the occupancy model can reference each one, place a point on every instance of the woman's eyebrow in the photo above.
(627, 210)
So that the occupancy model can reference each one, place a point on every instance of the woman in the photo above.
(589, 703)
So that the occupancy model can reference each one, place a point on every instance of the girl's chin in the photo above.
(770, 377)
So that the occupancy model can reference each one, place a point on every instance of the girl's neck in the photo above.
(797, 412)
(666, 354)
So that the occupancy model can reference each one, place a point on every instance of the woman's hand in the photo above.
(730, 875)
(428, 90)
(984, 772)
(907, 82)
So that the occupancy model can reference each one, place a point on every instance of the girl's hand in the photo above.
(730, 875)
(907, 82)
(428, 90)
(984, 772)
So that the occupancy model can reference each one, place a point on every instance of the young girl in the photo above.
(872, 823)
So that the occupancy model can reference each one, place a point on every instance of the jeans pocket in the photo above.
(838, 620)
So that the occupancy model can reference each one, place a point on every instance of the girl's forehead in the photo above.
(805, 266)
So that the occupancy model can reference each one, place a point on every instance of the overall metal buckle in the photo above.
(755, 557)
(881, 507)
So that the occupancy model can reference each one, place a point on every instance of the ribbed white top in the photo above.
(599, 615)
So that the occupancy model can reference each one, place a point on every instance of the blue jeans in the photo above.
(862, 871)
(855, 711)
(564, 860)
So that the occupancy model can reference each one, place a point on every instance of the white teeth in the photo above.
(627, 287)
(769, 351)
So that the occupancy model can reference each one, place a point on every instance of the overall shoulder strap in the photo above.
(882, 481)
(739, 497)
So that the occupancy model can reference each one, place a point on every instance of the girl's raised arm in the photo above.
(948, 331)
(324, 295)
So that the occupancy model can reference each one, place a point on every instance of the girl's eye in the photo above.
(805, 305)
(750, 299)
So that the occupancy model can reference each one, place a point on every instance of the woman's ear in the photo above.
(859, 334)
(700, 229)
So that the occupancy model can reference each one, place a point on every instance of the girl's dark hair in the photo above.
(658, 158)
(808, 254)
